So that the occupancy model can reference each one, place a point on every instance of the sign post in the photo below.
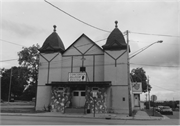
(153, 98)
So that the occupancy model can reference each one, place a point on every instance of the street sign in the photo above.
(153, 97)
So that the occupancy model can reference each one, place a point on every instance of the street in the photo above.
(32, 120)
(174, 116)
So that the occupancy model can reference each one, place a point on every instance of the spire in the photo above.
(116, 22)
(54, 28)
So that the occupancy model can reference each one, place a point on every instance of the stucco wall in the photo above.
(43, 91)
(118, 74)
(118, 98)
(91, 52)
(43, 97)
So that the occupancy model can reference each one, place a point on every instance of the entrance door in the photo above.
(78, 99)
(136, 100)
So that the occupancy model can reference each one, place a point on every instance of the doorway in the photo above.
(78, 99)
(136, 100)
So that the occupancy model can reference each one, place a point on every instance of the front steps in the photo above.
(75, 110)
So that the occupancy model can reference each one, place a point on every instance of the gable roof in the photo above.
(83, 35)
(53, 43)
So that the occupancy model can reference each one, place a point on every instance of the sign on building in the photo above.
(137, 87)
(77, 76)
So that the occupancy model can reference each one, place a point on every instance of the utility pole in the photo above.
(148, 93)
(128, 74)
(146, 100)
(10, 86)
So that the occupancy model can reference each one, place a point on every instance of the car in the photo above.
(158, 109)
(166, 110)
(12, 99)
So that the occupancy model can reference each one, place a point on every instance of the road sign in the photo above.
(153, 97)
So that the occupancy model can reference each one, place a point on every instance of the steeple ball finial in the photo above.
(116, 22)
(54, 28)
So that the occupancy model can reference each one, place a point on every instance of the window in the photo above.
(83, 93)
(76, 94)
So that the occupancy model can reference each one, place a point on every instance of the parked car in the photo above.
(12, 99)
(166, 110)
(158, 109)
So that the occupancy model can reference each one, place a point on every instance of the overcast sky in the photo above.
(28, 22)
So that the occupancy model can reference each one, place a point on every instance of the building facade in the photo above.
(84, 75)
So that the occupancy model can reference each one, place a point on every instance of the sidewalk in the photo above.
(140, 115)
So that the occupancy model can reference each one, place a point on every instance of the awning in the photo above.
(81, 84)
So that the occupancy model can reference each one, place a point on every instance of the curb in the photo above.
(76, 116)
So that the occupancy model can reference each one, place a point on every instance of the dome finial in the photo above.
(54, 27)
(116, 22)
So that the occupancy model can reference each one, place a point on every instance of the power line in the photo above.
(76, 18)
(165, 88)
(154, 34)
(8, 60)
(12, 43)
(154, 65)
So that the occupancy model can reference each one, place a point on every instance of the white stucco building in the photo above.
(70, 78)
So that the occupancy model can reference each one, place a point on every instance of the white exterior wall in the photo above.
(118, 76)
(43, 91)
(88, 49)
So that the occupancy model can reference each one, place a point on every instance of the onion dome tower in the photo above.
(53, 44)
(115, 40)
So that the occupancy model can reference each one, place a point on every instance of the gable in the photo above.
(83, 46)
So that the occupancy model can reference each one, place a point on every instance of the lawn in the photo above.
(18, 107)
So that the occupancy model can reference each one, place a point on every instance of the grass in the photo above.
(22, 109)
(150, 113)
(19, 110)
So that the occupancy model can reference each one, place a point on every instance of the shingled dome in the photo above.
(53, 44)
(115, 40)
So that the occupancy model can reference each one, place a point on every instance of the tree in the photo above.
(18, 77)
(29, 58)
(139, 75)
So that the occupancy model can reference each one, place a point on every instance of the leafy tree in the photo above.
(139, 75)
(18, 77)
(29, 58)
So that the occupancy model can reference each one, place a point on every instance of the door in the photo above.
(78, 99)
(136, 100)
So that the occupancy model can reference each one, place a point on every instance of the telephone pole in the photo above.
(10, 86)
(128, 76)
(148, 93)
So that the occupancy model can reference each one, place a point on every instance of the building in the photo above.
(83, 73)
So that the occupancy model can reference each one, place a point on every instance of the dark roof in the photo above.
(115, 40)
(53, 44)
(81, 84)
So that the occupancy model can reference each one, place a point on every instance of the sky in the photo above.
(28, 22)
